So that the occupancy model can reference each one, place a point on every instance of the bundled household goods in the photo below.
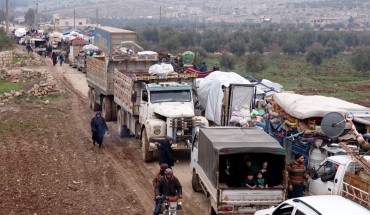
(220, 94)
(314, 124)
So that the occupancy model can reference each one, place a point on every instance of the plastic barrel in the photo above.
(316, 157)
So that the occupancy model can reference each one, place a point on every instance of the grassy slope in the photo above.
(6, 86)
(335, 77)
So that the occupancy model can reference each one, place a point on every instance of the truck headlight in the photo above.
(157, 131)
(179, 132)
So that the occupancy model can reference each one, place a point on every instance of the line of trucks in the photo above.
(152, 107)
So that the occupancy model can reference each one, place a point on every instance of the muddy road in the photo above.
(50, 166)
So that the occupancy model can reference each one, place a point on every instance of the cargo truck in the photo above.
(99, 69)
(217, 160)
(154, 107)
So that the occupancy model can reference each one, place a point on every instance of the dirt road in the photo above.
(49, 165)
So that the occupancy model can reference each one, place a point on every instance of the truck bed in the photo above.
(98, 76)
(356, 189)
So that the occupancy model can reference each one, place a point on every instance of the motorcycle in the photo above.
(171, 206)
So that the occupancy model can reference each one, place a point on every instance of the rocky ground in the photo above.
(48, 162)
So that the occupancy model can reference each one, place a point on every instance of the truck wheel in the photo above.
(120, 123)
(195, 183)
(95, 106)
(114, 110)
(107, 108)
(90, 97)
(147, 155)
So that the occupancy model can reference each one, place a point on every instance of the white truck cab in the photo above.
(164, 105)
(336, 175)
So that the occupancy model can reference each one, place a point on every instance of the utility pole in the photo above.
(74, 18)
(160, 14)
(36, 18)
(7, 15)
(97, 17)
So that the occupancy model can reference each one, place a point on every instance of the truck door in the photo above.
(194, 152)
(339, 177)
(323, 184)
(143, 108)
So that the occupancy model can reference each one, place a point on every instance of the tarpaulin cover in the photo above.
(217, 141)
(20, 32)
(302, 107)
(210, 93)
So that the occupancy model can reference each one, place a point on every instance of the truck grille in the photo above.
(185, 126)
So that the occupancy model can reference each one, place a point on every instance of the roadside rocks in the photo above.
(21, 59)
(42, 89)
(43, 84)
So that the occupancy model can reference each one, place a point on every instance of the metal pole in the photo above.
(36, 18)
(97, 17)
(74, 19)
(7, 16)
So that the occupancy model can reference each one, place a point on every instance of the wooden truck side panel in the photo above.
(356, 188)
(101, 75)
(126, 92)
(97, 75)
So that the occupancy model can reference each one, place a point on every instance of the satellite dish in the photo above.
(333, 124)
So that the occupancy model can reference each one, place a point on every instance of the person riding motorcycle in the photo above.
(168, 185)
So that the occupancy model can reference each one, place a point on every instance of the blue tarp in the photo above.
(70, 30)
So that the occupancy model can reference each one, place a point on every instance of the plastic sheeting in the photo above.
(303, 107)
(210, 93)
(20, 32)
(161, 69)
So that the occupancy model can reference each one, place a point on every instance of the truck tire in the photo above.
(90, 97)
(195, 184)
(114, 111)
(95, 106)
(147, 155)
(107, 108)
(120, 123)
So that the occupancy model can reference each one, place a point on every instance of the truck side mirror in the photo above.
(144, 95)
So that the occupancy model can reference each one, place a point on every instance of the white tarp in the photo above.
(210, 93)
(269, 87)
(20, 32)
(302, 107)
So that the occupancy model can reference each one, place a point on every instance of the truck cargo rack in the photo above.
(356, 156)
(150, 77)
(134, 57)
(355, 193)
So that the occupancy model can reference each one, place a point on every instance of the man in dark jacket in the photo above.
(166, 152)
(168, 185)
(98, 128)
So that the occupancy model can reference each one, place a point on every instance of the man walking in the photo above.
(297, 173)
(166, 152)
(98, 128)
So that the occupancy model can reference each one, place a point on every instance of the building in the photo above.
(68, 22)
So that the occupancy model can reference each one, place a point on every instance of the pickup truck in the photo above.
(217, 150)
(342, 175)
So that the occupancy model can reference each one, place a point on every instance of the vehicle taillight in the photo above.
(226, 208)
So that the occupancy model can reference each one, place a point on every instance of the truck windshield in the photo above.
(170, 96)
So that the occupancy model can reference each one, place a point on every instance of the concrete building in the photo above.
(68, 22)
